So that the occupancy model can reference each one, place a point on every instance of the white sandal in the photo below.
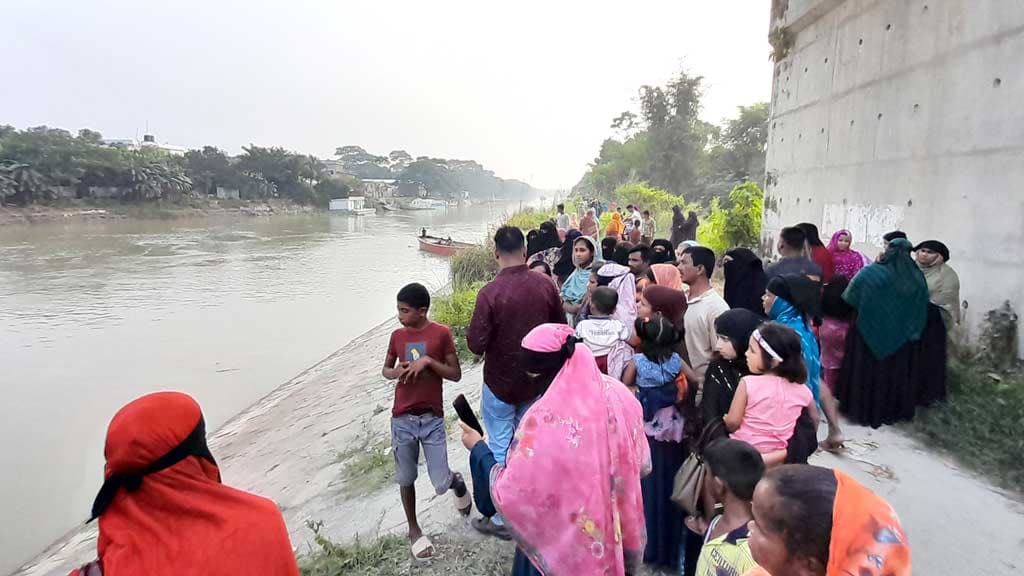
(421, 545)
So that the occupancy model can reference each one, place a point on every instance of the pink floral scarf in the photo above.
(570, 490)
(845, 262)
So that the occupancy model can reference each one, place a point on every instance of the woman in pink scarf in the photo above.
(845, 260)
(570, 490)
(667, 275)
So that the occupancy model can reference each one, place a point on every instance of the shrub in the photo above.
(473, 265)
(456, 311)
(529, 218)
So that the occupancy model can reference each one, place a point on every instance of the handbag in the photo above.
(688, 486)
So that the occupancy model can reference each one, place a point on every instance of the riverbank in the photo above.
(318, 446)
(80, 211)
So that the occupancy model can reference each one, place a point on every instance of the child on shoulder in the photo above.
(421, 355)
(734, 468)
(600, 332)
(653, 374)
(768, 403)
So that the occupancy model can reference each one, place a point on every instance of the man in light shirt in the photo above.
(696, 266)
(562, 220)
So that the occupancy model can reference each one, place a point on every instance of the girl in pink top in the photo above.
(768, 403)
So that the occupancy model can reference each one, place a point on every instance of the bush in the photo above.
(530, 218)
(473, 265)
(982, 420)
(456, 311)
(740, 225)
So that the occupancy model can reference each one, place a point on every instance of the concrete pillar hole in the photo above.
(997, 82)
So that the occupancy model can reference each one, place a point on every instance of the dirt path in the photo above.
(295, 445)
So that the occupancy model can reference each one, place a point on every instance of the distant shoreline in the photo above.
(87, 211)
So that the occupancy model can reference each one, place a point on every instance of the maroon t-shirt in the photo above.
(422, 395)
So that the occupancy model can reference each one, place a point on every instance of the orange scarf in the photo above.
(867, 539)
(182, 520)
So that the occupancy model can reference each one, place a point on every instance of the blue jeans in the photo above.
(501, 421)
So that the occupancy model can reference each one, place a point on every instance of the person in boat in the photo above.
(423, 232)
(570, 488)
(163, 510)
(812, 521)
(448, 240)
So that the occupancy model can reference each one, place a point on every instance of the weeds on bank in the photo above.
(369, 466)
(982, 420)
(455, 310)
(356, 558)
(389, 556)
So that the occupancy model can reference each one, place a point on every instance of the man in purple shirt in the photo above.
(507, 308)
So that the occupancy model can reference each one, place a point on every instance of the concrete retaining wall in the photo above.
(905, 114)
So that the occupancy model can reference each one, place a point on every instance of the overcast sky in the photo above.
(526, 88)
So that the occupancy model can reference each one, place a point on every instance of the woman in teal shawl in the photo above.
(574, 289)
(883, 368)
(795, 300)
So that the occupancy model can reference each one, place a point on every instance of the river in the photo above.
(95, 313)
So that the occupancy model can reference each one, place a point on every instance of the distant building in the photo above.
(335, 168)
(148, 141)
(227, 193)
(411, 190)
(375, 189)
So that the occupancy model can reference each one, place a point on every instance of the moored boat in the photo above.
(442, 246)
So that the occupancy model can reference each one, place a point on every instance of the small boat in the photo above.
(442, 246)
(419, 204)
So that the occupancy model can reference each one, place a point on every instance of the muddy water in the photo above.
(93, 314)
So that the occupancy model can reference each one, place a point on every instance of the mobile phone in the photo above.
(466, 413)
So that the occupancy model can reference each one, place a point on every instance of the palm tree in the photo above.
(23, 184)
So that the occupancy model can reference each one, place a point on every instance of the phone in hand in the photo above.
(466, 413)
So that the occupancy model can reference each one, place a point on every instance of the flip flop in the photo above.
(421, 545)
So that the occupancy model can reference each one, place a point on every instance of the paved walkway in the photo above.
(286, 447)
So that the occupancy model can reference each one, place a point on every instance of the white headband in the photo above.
(765, 346)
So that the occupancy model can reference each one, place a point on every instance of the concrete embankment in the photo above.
(295, 445)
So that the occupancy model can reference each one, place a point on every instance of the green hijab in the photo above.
(891, 298)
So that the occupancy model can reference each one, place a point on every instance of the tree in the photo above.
(330, 188)
(23, 185)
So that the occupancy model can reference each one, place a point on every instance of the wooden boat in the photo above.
(441, 246)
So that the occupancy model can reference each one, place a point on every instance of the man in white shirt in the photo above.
(562, 220)
(696, 266)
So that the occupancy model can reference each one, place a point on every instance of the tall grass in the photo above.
(982, 421)
(473, 265)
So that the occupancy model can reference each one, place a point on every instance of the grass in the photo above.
(389, 556)
(473, 265)
(455, 310)
(369, 466)
(982, 421)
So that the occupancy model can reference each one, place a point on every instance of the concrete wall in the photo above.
(905, 114)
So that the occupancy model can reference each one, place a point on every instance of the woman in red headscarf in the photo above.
(162, 509)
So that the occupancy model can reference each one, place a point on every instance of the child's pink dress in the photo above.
(773, 406)
(832, 336)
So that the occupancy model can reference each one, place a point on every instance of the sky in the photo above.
(526, 88)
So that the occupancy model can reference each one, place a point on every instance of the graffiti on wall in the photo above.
(868, 223)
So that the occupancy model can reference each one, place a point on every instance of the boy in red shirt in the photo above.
(421, 354)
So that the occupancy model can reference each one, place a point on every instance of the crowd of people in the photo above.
(611, 369)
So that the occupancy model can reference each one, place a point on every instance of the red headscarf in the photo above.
(671, 303)
(181, 519)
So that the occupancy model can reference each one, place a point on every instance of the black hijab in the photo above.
(532, 242)
(800, 291)
(565, 265)
(621, 254)
(934, 246)
(737, 325)
(608, 248)
(548, 236)
(667, 257)
(745, 280)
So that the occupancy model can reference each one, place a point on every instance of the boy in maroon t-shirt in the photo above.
(421, 354)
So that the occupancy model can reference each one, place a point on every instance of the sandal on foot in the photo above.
(419, 547)
(488, 528)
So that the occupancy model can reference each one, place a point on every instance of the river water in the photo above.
(95, 313)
